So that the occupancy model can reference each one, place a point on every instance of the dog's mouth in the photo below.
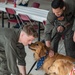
(31, 48)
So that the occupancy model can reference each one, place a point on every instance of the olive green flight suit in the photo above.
(11, 52)
(53, 23)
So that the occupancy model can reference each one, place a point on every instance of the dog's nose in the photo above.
(30, 44)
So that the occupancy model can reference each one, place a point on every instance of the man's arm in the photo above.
(47, 32)
(21, 60)
(14, 52)
(48, 28)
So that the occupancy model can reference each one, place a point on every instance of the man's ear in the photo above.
(64, 8)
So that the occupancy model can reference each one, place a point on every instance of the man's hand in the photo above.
(51, 53)
(60, 29)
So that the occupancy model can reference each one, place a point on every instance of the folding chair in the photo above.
(24, 18)
(36, 5)
(14, 19)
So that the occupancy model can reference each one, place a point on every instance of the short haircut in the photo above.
(57, 4)
(30, 30)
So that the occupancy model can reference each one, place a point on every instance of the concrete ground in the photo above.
(29, 58)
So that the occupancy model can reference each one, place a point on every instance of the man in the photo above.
(12, 53)
(60, 21)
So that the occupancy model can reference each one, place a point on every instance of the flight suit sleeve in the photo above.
(22, 54)
(12, 54)
(49, 26)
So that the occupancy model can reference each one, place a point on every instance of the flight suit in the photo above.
(11, 51)
(69, 27)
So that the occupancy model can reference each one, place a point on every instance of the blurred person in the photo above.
(61, 22)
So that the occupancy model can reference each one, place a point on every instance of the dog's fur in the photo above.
(62, 67)
(40, 50)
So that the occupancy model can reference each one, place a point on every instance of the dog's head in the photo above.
(39, 49)
(60, 67)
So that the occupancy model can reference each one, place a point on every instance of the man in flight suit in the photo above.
(60, 21)
(12, 53)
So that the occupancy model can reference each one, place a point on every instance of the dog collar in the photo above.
(40, 62)
(72, 71)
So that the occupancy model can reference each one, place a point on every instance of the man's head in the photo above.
(27, 35)
(58, 7)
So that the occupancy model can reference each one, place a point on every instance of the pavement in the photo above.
(29, 58)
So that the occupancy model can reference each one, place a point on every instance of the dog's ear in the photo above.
(43, 52)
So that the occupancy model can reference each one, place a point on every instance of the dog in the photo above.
(62, 67)
(41, 53)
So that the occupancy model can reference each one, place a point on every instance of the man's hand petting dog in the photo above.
(51, 53)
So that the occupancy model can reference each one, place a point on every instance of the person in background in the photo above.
(12, 51)
(21, 3)
(61, 22)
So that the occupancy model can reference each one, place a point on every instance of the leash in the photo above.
(36, 61)
(32, 67)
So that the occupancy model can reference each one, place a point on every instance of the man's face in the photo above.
(58, 12)
(27, 39)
